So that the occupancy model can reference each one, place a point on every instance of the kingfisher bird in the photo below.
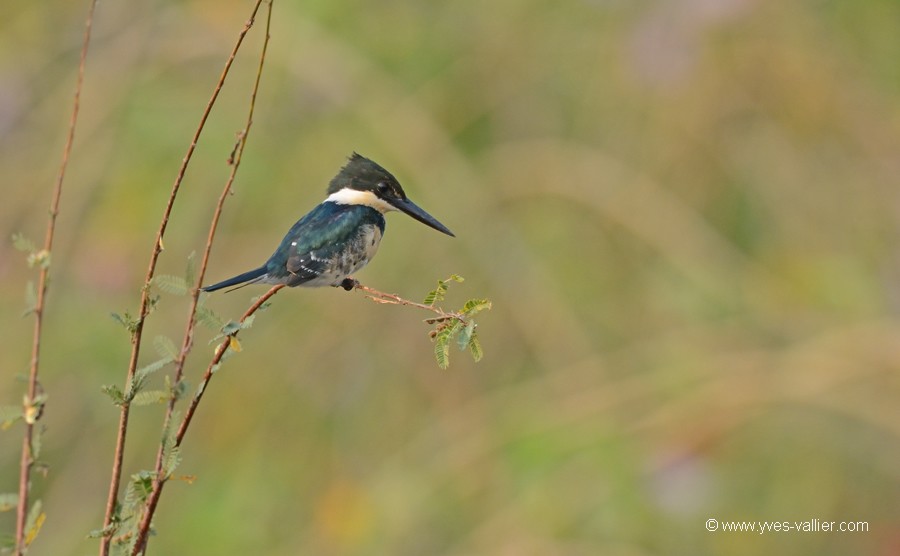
(340, 235)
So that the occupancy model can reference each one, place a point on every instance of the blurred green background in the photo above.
(685, 213)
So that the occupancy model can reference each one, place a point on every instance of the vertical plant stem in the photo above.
(32, 409)
(116, 475)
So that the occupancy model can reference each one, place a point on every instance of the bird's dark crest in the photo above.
(360, 171)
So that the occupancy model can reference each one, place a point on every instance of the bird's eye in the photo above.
(382, 187)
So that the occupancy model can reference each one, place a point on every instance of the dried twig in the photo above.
(32, 405)
(394, 299)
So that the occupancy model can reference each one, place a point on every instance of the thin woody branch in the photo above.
(116, 475)
(394, 299)
(32, 406)
(234, 160)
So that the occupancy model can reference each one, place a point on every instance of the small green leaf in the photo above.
(105, 532)
(248, 322)
(165, 348)
(475, 347)
(130, 323)
(139, 488)
(442, 350)
(22, 243)
(436, 295)
(442, 343)
(209, 319)
(474, 306)
(172, 460)
(175, 285)
(34, 522)
(8, 501)
(141, 374)
(465, 335)
(230, 328)
(114, 393)
(150, 397)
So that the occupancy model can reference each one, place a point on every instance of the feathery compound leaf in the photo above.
(150, 397)
(138, 489)
(209, 319)
(130, 323)
(8, 501)
(34, 522)
(442, 350)
(436, 295)
(141, 374)
(172, 460)
(475, 347)
(442, 343)
(165, 348)
(114, 393)
(175, 285)
(474, 306)
(105, 532)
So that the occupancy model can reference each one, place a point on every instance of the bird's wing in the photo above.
(318, 237)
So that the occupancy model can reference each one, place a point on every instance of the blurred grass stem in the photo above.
(32, 408)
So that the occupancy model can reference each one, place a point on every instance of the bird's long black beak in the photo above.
(413, 210)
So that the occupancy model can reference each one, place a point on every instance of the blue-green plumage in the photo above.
(340, 235)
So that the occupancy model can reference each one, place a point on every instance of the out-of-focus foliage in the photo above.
(684, 212)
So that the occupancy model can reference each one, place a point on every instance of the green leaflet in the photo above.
(209, 319)
(8, 501)
(165, 348)
(149, 397)
(475, 348)
(175, 285)
(114, 393)
(22, 243)
(474, 306)
(442, 350)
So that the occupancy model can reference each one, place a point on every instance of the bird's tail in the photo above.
(249, 277)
